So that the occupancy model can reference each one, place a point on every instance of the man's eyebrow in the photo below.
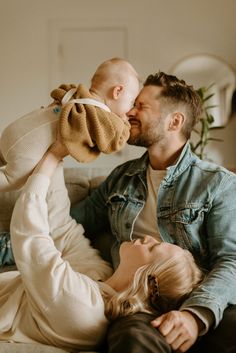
(141, 103)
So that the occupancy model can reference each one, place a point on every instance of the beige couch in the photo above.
(80, 182)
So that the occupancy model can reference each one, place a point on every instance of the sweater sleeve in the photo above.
(66, 305)
(44, 273)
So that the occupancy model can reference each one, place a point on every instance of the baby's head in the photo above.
(116, 82)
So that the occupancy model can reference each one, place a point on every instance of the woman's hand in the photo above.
(58, 148)
(53, 156)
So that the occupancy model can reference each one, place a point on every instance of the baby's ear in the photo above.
(117, 90)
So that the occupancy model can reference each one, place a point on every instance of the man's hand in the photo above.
(180, 329)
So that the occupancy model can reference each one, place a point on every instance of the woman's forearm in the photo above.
(51, 159)
(48, 164)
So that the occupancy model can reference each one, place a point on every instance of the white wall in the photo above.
(160, 33)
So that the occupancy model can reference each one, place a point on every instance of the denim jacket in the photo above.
(196, 210)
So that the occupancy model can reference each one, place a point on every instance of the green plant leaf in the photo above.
(215, 139)
(210, 107)
(205, 124)
(208, 97)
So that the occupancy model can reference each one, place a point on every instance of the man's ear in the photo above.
(176, 121)
(117, 90)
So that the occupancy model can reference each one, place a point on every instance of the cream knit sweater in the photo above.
(51, 299)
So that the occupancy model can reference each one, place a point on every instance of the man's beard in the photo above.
(147, 139)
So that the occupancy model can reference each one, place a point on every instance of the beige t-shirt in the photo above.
(143, 227)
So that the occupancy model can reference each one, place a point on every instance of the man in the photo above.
(171, 194)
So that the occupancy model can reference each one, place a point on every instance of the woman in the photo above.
(57, 297)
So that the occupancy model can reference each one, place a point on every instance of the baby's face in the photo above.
(127, 98)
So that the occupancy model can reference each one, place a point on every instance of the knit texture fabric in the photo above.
(88, 130)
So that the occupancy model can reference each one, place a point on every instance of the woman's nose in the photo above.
(146, 238)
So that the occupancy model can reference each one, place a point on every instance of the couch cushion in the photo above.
(33, 348)
(7, 201)
(81, 181)
(29, 348)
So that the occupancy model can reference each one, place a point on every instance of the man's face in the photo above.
(148, 125)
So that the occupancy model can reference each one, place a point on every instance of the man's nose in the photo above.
(131, 113)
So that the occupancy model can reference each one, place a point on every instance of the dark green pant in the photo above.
(134, 334)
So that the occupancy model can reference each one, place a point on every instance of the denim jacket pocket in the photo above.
(189, 214)
(185, 214)
(183, 225)
(122, 210)
(116, 200)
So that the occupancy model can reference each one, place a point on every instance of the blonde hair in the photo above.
(115, 70)
(157, 287)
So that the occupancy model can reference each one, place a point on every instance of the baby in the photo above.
(89, 122)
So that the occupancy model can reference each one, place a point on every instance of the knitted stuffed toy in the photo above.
(87, 128)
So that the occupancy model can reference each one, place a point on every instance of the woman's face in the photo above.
(143, 251)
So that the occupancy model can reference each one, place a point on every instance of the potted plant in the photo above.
(205, 125)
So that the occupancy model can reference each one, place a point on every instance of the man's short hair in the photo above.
(177, 95)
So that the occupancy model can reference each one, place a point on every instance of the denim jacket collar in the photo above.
(185, 159)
